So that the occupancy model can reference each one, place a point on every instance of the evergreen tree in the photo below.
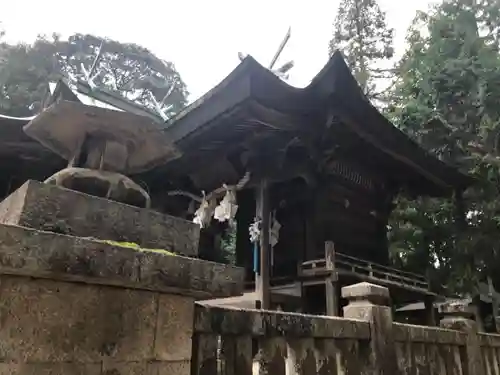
(447, 101)
(362, 35)
(127, 69)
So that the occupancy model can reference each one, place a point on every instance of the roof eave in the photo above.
(334, 83)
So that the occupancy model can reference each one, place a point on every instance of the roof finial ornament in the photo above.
(161, 106)
(149, 79)
(91, 74)
(282, 71)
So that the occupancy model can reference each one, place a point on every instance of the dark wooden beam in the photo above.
(262, 279)
(275, 119)
(430, 314)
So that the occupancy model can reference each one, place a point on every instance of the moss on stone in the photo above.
(132, 245)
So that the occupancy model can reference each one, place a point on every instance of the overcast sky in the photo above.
(202, 37)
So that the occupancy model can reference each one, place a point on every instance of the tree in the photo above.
(362, 35)
(25, 71)
(127, 69)
(447, 100)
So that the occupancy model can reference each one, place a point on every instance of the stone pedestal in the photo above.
(370, 302)
(76, 306)
(56, 209)
(460, 316)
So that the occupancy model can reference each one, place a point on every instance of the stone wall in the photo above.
(57, 327)
(77, 306)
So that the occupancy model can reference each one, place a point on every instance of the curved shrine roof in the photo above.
(333, 87)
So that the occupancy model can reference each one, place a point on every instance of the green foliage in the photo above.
(447, 99)
(127, 69)
(25, 71)
(362, 35)
(228, 244)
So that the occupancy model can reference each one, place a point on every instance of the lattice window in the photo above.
(351, 174)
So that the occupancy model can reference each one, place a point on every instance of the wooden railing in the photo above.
(247, 342)
(362, 269)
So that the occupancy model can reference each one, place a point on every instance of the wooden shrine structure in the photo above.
(322, 161)
(325, 163)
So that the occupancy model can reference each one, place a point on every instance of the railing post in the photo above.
(460, 317)
(370, 302)
(331, 282)
(430, 314)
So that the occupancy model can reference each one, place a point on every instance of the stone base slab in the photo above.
(56, 209)
(33, 253)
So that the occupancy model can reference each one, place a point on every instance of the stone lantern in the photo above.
(101, 146)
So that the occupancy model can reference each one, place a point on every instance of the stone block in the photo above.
(50, 369)
(52, 321)
(366, 292)
(56, 209)
(175, 328)
(32, 253)
(129, 368)
(174, 368)
(463, 308)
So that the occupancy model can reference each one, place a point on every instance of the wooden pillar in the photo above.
(475, 308)
(430, 315)
(310, 248)
(494, 302)
(262, 279)
(331, 282)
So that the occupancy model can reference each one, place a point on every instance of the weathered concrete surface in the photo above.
(57, 327)
(287, 342)
(366, 293)
(172, 344)
(458, 317)
(109, 185)
(33, 253)
(434, 335)
(369, 302)
(51, 369)
(234, 321)
(55, 209)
